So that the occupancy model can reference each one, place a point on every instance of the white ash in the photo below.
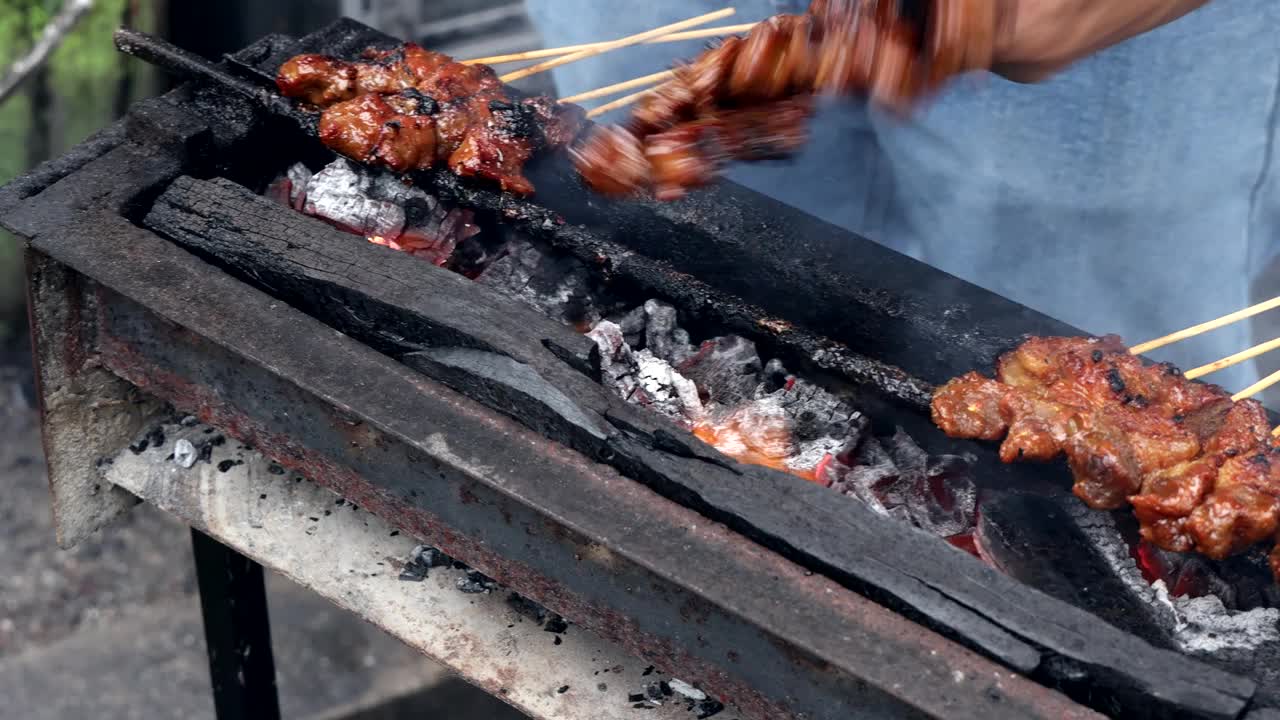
(338, 194)
(809, 454)
(184, 453)
(684, 689)
(1205, 625)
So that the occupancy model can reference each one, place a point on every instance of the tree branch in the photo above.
(50, 38)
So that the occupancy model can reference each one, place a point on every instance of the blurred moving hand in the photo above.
(1036, 38)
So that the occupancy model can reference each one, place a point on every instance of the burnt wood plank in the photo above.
(495, 352)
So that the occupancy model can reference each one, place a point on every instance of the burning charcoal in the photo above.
(474, 254)
(725, 369)
(662, 336)
(336, 194)
(757, 432)
(184, 453)
(281, 190)
(666, 390)
(871, 469)
(632, 325)
(809, 456)
(617, 364)
(907, 455)
(816, 413)
(476, 583)
(381, 185)
(1197, 579)
(774, 377)
(557, 284)
(299, 177)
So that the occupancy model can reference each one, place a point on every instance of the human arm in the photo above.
(1036, 38)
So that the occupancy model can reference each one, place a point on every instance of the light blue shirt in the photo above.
(1135, 193)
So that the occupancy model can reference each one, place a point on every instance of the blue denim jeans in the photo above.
(1135, 193)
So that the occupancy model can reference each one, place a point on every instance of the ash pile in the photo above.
(721, 389)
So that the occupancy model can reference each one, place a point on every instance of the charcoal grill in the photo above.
(158, 280)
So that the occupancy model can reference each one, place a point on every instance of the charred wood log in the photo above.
(497, 353)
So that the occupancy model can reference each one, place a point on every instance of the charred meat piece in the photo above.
(611, 161)
(691, 154)
(1198, 468)
(322, 80)
(407, 108)
(382, 130)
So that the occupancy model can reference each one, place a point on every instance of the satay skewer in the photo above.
(1205, 327)
(566, 49)
(623, 101)
(1258, 387)
(616, 88)
(1235, 359)
(616, 44)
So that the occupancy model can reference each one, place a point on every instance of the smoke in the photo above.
(1109, 196)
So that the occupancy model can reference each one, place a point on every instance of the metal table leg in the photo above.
(237, 631)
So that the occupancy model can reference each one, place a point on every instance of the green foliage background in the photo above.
(84, 74)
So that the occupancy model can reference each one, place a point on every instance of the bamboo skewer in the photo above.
(565, 50)
(619, 87)
(1206, 326)
(615, 44)
(620, 102)
(1257, 387)
(1235, 359)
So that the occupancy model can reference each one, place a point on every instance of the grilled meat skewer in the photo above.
(840, 47)
(1199, 469)
(409, 109)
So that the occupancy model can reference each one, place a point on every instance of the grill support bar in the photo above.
(237, 632)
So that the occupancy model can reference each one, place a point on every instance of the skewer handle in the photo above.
(170, 57)
(619, 87)
(616, 44)
(1257, 387)
(1205, 327)
(566, 49)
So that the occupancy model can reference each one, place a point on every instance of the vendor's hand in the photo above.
(1036, 38)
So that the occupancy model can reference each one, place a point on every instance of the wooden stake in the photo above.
(1205, 327)
(616, 44)
(1236, 359)
(623, 101)
(565, 50)
(1257, 387)
(619, 87)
